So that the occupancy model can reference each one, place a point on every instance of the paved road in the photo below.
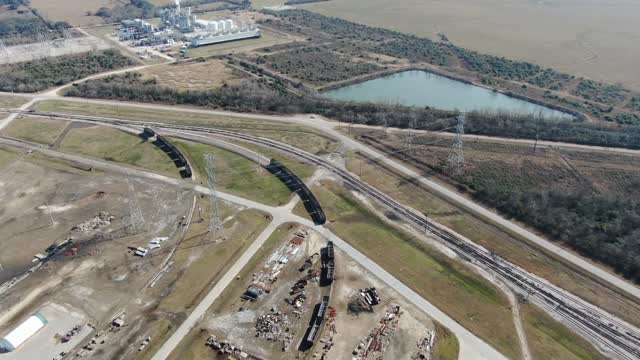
(6, 121)
(471, 347)
(329, 128)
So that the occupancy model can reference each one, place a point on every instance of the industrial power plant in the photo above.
(179, 25)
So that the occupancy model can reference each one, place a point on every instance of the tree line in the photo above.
(262, 96)
(601, 227)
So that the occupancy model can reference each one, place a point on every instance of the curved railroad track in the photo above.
(619, 338)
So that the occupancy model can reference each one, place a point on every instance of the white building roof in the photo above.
(25, 330)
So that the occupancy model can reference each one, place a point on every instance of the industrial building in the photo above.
(178, 24)
(23, 332)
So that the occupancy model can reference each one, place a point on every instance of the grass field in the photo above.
(595, 39)
(115, 145)
(194, 75)
(447, 346)
(38, 130)
(190, 348)
(6, 155)
(236, 175)
(468, 298)
(203, 264)
(548, 339)
(12, 101)
(615, 173)
(300, 136)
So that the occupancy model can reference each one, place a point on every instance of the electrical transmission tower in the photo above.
(137, 220)
(385, 124)
(215, 223)
(3, 49)
(455, 161)
(67, 36)
(409, 139)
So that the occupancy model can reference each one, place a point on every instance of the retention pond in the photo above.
(422, 88)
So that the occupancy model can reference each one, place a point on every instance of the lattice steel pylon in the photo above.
(3, 49)
(135, 214)
(215, 223)
(411, 126)
(384, 122)
(455, 161)
(67, 36)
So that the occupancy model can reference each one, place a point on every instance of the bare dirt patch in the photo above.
(194, 75)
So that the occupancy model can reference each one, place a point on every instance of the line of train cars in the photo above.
(169, 149)
(296, 185)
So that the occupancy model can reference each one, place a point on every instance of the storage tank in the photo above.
(23, 332)
(228, 24)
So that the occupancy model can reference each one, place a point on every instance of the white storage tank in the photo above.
(23, 332)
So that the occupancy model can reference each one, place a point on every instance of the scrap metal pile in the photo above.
(97, 222)
(374, 345)
(263, 280)
(363, 300)
(274, 326)
(424, 346)
(225, 347)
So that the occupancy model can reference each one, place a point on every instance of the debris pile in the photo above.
(263, 280)
(363, 300)
(95, 223)
(424, 346)
(329, 331)
(91, 345)
(274, 326)
(297, 291)
(311, 260)
(67, 337)
(374, 345)
(225, 347)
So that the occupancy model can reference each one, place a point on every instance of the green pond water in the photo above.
(422, 88)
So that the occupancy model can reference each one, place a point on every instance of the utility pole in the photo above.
(135, 214)
(455, 161)
(215, 223)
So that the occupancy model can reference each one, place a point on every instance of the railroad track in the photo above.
(617, 337)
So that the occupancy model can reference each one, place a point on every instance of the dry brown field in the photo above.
(72, 11)
(194, 75)
(596, 39)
